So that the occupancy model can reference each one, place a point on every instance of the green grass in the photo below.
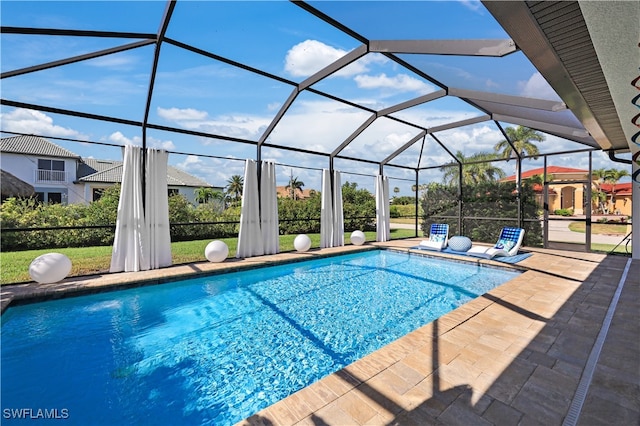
(14, 266)
(606, 248)
(599, 228)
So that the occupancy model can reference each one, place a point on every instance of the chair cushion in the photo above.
(437, 238)
(459, 243)
(505, 244)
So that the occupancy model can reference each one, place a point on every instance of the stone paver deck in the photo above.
(512, 356)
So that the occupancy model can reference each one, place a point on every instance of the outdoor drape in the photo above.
(326, 211)
(338, 215)
(269, 208)
(383, 232)
(250, 241)
(142, 240)
(156, 211)
(128, 245)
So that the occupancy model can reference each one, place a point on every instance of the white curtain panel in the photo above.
(129, 245)
(326, 211)
(250, 236)
(383, 232)
(269, 208)
(156, 211)
(338, 214)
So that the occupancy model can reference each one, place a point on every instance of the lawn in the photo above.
(599, 228)
(14, 266)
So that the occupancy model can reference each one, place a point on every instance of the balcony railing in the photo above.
(51, 176)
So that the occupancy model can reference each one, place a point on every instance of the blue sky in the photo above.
(197, 93)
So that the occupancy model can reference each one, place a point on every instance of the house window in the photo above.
(54, 198)
(51, 170)
(173, 191)
(51, 197)
(96, 194)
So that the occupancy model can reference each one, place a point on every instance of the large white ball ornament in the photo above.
(50, 268)
(302, 242)
(216, 251)
(357, 238)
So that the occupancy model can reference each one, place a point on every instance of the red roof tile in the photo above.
(551, 170)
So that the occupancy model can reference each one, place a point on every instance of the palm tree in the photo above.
(522, 138)
(612, 176)
(294, 185)
(481, 169)
(204, 195)
(235, 184)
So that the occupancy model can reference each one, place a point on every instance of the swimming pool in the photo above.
(216, 349)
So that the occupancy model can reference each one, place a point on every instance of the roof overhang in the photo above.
(588, 52)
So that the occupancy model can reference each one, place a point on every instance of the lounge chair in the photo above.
(438, 237)
(507, 245)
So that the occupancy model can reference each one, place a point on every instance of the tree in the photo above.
(522, 138)
(396, 190)
(204, 195)
(293, 186)
(479, 170)
(235, 184)
(608, 176)
(598, 177)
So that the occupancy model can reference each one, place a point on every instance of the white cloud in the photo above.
(473, 5)
(242, 126)
(120, 139)
(29, 121)
(310, 56)
(537, 87)
(116, 61)
(400, 82)
(181, 114)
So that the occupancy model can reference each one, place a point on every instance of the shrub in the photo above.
(563, 212)
(188, 222)
(497, 200)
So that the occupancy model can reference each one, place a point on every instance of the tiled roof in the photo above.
(109, 171)
(620, 188)
(34, 145)
(551, 170)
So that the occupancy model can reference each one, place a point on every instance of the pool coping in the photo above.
(388, 386)
(556, 304)
(33, 292)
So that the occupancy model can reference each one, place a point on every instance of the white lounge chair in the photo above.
(508, 244)
(438, 237)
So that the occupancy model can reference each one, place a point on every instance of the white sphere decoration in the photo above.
(50, 268)
(216, 251)
(302, 242)
(357, 238)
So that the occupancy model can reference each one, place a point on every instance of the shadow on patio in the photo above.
(513, 356)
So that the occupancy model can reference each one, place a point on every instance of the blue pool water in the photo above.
(217, 349)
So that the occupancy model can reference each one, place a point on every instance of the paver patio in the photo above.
(515, 355)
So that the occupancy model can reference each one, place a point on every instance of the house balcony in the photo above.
(50, 176)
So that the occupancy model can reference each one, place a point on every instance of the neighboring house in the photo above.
(49, 168)
(569, 191)
(301, 194)
(61, 176)
(618, 197)
(96, 175)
